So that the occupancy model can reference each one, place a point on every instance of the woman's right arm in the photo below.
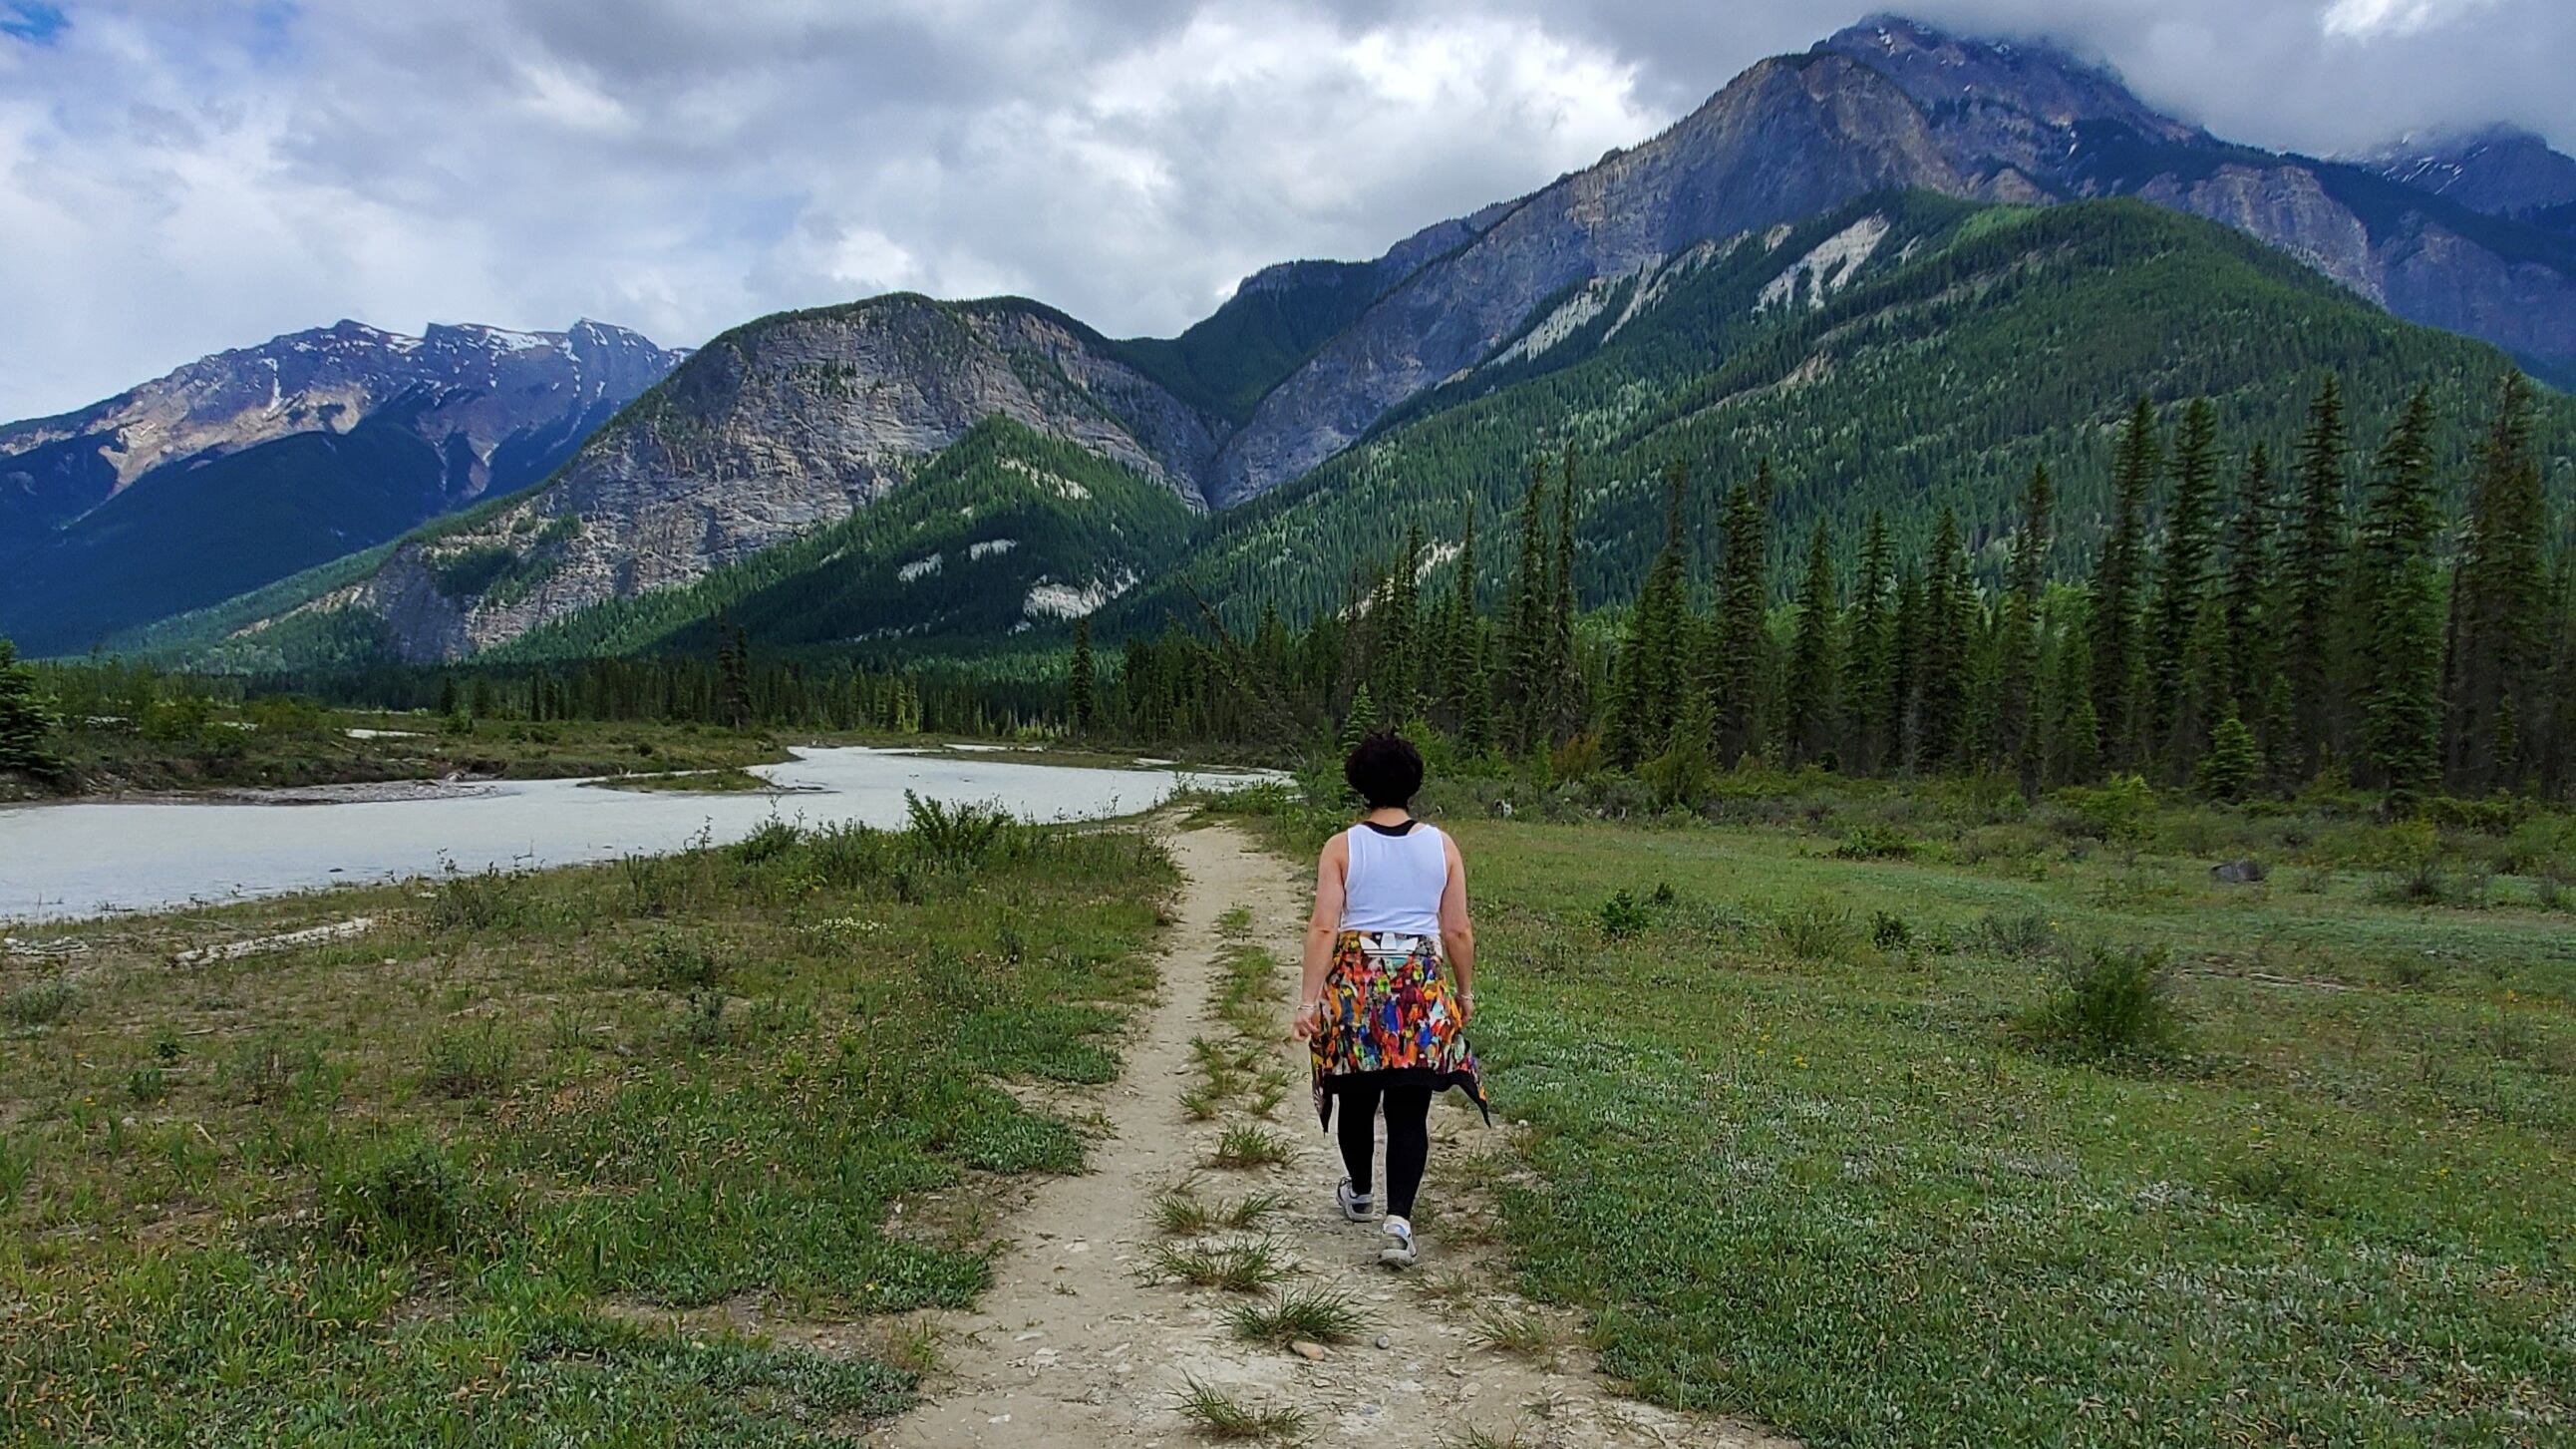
(1331, 869)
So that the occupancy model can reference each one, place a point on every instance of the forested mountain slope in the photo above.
(1949, 349)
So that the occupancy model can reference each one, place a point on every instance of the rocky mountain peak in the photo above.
(2502, 170)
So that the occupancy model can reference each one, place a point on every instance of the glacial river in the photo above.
(96, 857)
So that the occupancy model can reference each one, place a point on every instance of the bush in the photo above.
(2110, 1005)
(1889, 931)
(957, 835)
(1876, 842)
(771, 839)
(1816, 932)
(668, 961)
(40, 1003)
(483, 901)
(2119, 809)
(1623, 916)
(2029, 933)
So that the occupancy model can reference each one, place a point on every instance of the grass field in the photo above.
(1809, 1148)
(448, 1180)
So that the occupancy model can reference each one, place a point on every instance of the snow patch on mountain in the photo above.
(919, 568)
(989, 547)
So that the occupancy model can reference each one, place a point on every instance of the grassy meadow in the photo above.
(457, 1178)
(1935, 1119)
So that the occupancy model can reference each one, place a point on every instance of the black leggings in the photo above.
(1408, 1137)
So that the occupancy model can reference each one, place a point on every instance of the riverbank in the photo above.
(446, 1171)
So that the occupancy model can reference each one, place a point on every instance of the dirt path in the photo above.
(1074, 1347)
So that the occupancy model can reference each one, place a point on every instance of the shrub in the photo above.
(2118, 809)
(1815, 932)
(1623, 916)
(266, 1067)
(771, 839)
(40, 1003)
(2110, 1005)
(1889, 931)
(957, 835)
(1876, 842)
(484, 900)
(669, 961)
(2029, 933)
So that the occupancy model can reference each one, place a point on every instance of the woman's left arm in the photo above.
(1458, 932)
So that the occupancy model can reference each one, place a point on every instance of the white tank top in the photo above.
(1395, 881)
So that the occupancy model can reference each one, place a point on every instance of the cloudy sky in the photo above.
(179, 176)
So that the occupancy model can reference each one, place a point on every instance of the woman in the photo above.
(1386, 1028)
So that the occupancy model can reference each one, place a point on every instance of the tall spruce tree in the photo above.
(2245, 594)
(1735, 670)
(2118, 584)
(1652, 665)
(27, 720)
(1943, 672)
(1081, 702)
(2017, 646)
(2314, 581)
(2182, 588)
(1458, 642)
(1814, 699)
(2399, 588)
(1566, 688)
(2076, 738)
(1872, 644)
(1533, 671)
(2499, 647)
(1905, 671)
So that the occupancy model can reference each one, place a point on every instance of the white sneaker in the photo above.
(1401, 1252)
(1356, 1206)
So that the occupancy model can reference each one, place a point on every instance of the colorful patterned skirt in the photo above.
(1387, 1017)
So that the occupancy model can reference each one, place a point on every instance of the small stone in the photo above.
(1383, 1341)
(1306, 1350)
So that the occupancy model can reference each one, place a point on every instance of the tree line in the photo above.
(2248, 623)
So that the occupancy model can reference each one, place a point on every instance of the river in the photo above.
(89, 858)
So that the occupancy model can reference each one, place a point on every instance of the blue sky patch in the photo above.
(31, 22)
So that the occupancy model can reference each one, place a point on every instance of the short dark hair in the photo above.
(1385, 769)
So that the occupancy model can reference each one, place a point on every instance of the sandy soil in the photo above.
(1073, 1347)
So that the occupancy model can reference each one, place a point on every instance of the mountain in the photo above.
(249, 465)
(2499, 170)
(1302, 383)
(2033, 123)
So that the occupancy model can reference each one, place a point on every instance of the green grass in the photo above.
(1182, 1213)
(1245, 1146)
(1219, 1415)
(430, 1186)
(1795, 1176)
(2026, 1136)
(1245, 1265)
(1315, 1315)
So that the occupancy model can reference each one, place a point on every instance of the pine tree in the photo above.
(2017, 644)
(1905, 671)
(1532, 670)
(1815, 666)
(2078, 732)
(1081, 702)
(1652, 664)
(1941, 691)
(1566, 685)
(2314, 578)
(1361, 722)
(2245, 593)
(2498, 649)
(1735, 670)
(27, 720)
(1872, 647)
(2402, 720)
(2183, 585)
(1393, 623)
(1458, 640)
(2118, 580)
(2231, 764)
(1682, 773)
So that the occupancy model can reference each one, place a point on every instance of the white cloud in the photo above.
(177, 178)
(2364, 19)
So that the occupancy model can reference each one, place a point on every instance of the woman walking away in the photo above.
(1387, 1028)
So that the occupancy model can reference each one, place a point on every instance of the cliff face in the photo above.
(1787, 139)
(771, 431)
